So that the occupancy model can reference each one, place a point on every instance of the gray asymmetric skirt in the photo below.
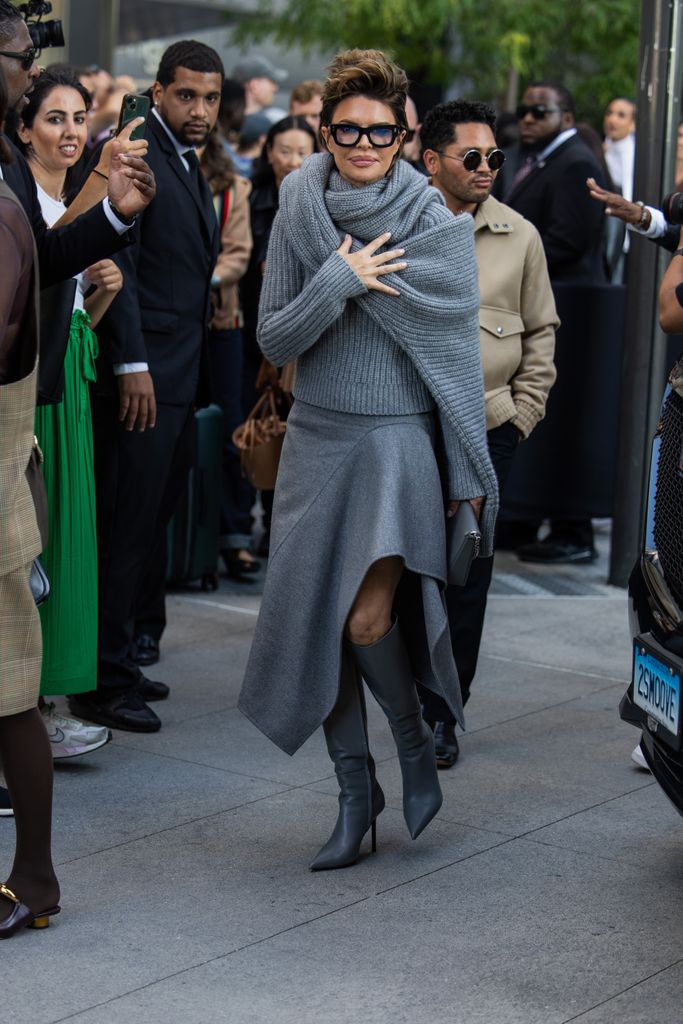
(351, 489)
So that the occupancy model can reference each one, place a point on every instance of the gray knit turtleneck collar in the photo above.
(324, 206)
(396, 200)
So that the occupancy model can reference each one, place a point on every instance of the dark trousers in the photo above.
(467, 605)
(237, 496)
(139, 478)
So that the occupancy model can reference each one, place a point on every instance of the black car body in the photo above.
(653, 701)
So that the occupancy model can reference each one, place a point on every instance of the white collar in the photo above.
(558, 141)
(180, 148)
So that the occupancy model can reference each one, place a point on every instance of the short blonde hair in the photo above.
(365, 73)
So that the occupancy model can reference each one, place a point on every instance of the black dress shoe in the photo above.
(126, 711)
(146, 650)
(148, 689)
(557, 552)
(445, 744)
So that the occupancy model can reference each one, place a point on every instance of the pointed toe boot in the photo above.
(386, 668)
(361, 799)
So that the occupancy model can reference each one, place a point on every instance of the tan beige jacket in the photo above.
(20, 540)
(236, 246)
(517, 319)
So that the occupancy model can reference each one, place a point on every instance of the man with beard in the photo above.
(517, 322)
(546, 182)
(155, 332)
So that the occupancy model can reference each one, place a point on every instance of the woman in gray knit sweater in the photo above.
(371, 285)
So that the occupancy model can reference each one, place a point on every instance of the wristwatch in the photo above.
(645, 215)
(128, 221)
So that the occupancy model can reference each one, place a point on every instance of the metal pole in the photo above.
(644, 362)
(93, 32)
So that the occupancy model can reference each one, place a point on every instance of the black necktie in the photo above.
(193, 168)
(200, 187)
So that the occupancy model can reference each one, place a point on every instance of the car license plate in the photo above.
(656, 688)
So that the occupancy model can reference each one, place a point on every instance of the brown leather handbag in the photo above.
(260, 440)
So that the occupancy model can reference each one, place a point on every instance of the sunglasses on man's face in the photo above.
(26, 57)
(537, 110)
(473, 158)
(378, 135)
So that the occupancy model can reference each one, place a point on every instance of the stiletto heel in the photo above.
(374, 836)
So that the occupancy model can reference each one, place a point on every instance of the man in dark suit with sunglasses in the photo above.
(544, 179)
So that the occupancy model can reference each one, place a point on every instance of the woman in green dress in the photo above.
(53, 133)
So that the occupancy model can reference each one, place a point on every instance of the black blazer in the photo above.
(62, 252)
(554, 197)
(161, 314)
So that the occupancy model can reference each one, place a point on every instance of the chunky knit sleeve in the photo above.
(292, 313)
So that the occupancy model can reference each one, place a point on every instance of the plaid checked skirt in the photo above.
(20, 644)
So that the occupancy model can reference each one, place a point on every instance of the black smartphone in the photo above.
(132, 106)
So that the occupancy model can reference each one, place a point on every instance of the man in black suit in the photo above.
(545, 180)
(156, 335)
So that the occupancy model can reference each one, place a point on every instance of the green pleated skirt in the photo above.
(64, 432)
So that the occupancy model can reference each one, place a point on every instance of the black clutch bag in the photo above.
(39, 583)
(463, 542)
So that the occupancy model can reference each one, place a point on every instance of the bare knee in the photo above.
(367, 625)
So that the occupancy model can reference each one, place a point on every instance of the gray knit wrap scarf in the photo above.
(436, 318)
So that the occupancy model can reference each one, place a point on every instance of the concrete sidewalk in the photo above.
(547, 890)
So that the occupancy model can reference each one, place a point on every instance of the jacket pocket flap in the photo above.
(501, 323)
(158, 320)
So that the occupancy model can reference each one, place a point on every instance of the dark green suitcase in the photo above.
(194, 530)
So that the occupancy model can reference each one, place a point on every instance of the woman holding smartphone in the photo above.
(53, 133)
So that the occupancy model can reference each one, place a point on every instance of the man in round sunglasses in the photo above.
(545, 180)
(517, 322)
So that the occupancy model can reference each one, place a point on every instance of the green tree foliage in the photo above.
(589, 45)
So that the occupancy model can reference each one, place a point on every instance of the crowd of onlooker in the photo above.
(163, 314)
(250, 148)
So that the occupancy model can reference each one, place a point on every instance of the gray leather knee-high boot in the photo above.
(360, 796)
(387, 671)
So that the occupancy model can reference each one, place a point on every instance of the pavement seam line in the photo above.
(553, 668)
(583, 810)
(628, 988)
(556, 821)
(179, 824)
(213, 767)
(275, 935)
(541, 711)
(218, 604)
(214, 959)
(444, 867)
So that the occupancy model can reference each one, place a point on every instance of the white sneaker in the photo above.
(638, 758)
(71, 738)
